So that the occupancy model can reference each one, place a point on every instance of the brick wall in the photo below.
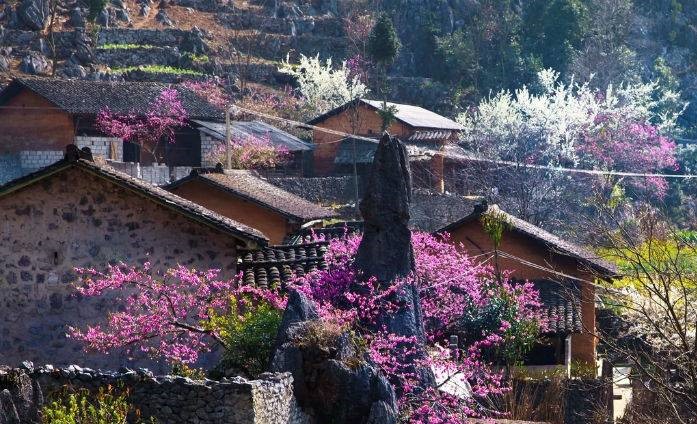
(32, 160)
(208, 145)
(106, 147)
(76, 219)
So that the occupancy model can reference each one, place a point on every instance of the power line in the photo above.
(456, 155)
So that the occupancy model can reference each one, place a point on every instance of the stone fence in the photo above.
(168, 399)
(152, 37)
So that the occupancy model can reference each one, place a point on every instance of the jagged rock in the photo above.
(118, 3)
(385, 251)
(43, 47)
(13, 22)
(73, 69)
(324, 384)
(163, 18)
(83, 47)
(77, 18)
(8, 412)
(144, 9)
(5, 59)
(103, 18)
(34, 64)
(122, 15)
(193, 42)
(34, 13)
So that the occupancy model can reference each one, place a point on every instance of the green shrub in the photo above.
(114, 46)
(249, 332)
(104, 407)
(157, 69)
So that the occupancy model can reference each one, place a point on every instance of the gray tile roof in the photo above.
(365, 150)
(276, 136)
(90, 97)
(276, 265)
(247, 185)
(554, 243)
(561, 305)
(413, 116)
(151, 192)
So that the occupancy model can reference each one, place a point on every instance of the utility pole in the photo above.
(228, 138)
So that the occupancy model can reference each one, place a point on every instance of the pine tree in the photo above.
(383, 43)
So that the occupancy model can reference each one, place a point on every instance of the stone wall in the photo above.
(106, 147)
(321, 189)
(208, 145)
(152, 37)
(76, 219)
(168, 399)
(121, 58)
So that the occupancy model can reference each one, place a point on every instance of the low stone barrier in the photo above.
(168, 399)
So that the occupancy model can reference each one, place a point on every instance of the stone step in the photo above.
(167, 56)
(316, 25)
(277, 46)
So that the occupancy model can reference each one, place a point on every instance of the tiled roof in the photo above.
(556, 244)
(276, 136)
(561, 305)
(365, 150)
(433, 135)
(90, 97)
(274, 266)
(246, 185)
(152, 192)
(414, 116)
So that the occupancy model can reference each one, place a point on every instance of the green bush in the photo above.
(249, 332)
(104, 407)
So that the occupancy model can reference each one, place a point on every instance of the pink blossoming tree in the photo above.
(172, 316)
(149, 129)
(251, 152)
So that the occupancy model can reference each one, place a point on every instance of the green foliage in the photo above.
(383, 43)
(95, 8)
(183, 370)
(249, 332)
(553, 30)
(157, 69)
(387, 115)
(494, 224)
(104, 407)
(198, 58)
(114, 46)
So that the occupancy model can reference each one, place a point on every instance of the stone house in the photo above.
(79, 212)
(563, 272)
(247, 198)
(415, 126)
(40, 116)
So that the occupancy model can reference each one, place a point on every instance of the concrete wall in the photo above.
(476, 241)
(168, 399)
(76, 219)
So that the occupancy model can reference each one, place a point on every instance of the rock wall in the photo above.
(75, 219)
(168, 399)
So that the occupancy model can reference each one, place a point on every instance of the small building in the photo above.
(40, 116)
(562, 271)
(213, 135)
(79, 212)
(247, 198)
(413, 125)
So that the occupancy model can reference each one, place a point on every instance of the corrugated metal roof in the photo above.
(257, 129)
(418, 117)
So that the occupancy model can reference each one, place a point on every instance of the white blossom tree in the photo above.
(323, 85)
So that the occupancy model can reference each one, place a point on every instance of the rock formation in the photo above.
(385, 251)
(330, 381)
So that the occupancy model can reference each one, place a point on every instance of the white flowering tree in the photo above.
(323, 85)
(572, 125)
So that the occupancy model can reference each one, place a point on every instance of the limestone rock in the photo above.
(144, 9)
(34, 13)
(385, 251)
(77, 18)
(103, 18)
(35, 64)
(163, 18)
(193, 42)
(5, 58)
(122, 15)
(323, 383)
(8, 412)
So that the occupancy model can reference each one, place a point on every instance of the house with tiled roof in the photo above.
(413, 125)
(245, 197)
(80, 212)
(40, 116)
(564, 273)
